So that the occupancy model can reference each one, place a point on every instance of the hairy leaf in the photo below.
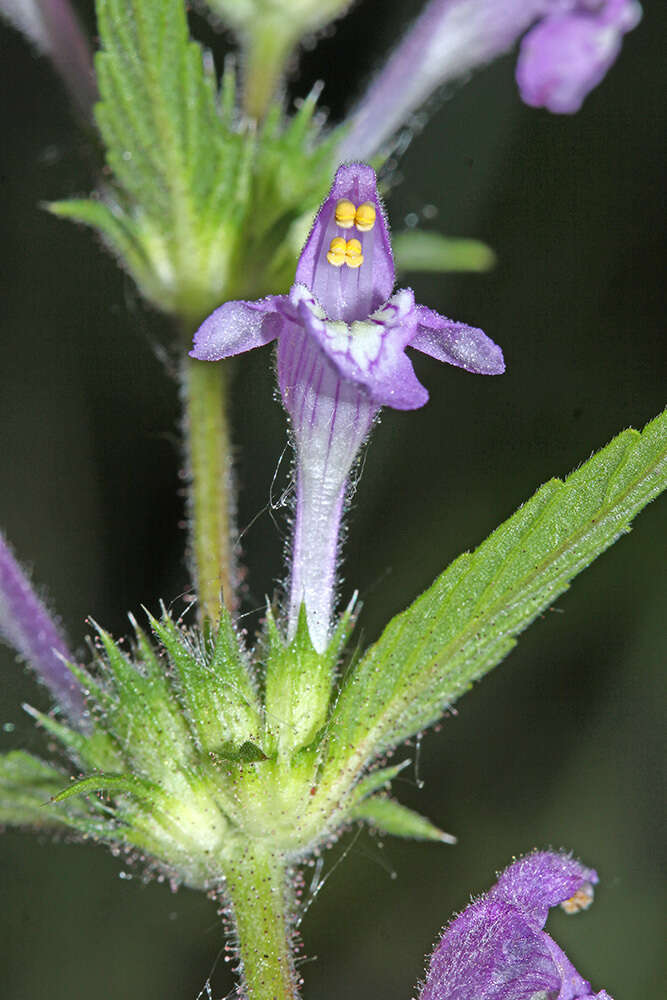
(470, 617)
(27, 789)
(389, 816)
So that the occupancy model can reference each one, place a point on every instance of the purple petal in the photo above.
(489, 952)
(565, 56)
(369, 354)
(541, 880)
(496, 949)
(457, 344)
(572, 985)
(27, 626)
(236, 327)
(347, 293)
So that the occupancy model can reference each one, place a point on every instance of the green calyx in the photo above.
(193, 755)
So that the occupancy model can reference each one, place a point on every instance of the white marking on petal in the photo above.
(338, 335)
(365, 344)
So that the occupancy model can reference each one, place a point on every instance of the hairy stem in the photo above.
(263, 911)
(204, 391)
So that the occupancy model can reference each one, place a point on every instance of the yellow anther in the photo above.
(341, 252)
(353, 254)
(336, 254)
(581, 900)
(345, 213)
(364, 218)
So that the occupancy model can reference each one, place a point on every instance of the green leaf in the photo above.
(470, 617)
(158, 112)
(107, 783)
(28, 787)
(376, 780)
(389, 816)
(415, 250)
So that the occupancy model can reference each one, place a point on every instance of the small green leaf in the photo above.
(392, 818)
(107, 783)
(376, 780)
(469, 619)
(415, 250)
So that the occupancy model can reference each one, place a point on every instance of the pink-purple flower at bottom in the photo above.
(497, 948)
(566, 55)
(341, 336)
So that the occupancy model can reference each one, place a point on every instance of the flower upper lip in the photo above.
(496, 948)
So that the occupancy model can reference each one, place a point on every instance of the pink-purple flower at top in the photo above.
(341, 338)
(567, 54)
(497, 948)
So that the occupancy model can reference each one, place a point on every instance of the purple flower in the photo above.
(451, 38)
(497, 950)
(341, 356)
(566, 55)
(27, 626)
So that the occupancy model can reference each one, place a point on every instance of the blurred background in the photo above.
(561, 745)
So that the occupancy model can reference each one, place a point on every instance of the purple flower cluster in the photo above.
(497, 948)
(341, 336)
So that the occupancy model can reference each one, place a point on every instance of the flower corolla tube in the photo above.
(341, 337)
(497, 948)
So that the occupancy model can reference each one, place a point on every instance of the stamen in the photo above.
(581, 900)
(345, 213)
(341, 252)
(336, 253)
(364, 218)
(353, 254)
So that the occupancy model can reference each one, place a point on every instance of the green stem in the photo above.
(263, 911)
(208, 450)
(267, 50)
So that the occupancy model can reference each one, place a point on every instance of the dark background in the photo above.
(561, 745)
